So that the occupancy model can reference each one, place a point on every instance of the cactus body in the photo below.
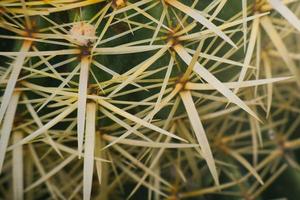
(150, 99)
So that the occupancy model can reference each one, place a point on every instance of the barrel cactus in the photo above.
(149, 99)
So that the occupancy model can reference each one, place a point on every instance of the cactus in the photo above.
(149, 99)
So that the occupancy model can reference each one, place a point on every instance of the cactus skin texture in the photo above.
(149, 99)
